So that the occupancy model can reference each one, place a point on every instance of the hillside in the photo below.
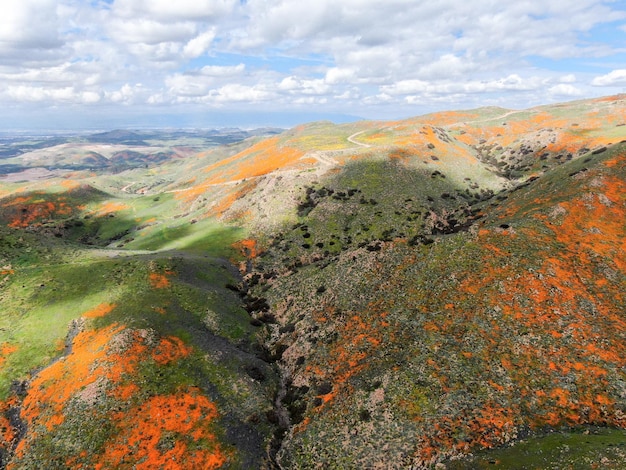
(444, 291)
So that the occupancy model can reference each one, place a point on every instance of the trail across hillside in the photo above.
(325, 158)
(322, 157)
(495, 118)
(360, 144)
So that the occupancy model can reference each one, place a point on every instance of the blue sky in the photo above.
(100, 64)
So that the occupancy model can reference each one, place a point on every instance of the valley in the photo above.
(445, 291)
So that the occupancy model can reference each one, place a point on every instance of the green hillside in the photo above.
(440, 292)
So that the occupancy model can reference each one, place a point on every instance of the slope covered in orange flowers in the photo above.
(489, 145)
(148, 380)
(99, 376)
(407, 294)
(451, 321)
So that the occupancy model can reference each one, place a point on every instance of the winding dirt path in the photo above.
(321, 157)
(325, 159)
(360, 144)
(495, 118)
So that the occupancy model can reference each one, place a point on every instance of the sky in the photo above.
(102, 64)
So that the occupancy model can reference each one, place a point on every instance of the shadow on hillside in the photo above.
(204, 237)
(39, 209)
(185, 302)
(375, 201)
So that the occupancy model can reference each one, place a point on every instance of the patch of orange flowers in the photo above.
(5, 350)
(160, 280)
(247, 248)
(260, 159)
(170, 349)
(99, 311)
(8, 434)
(37, 212)
(111, 207)
(101, 364)
(53, 387)
(165, 433)
(361, 334)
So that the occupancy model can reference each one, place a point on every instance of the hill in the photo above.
(440, 291)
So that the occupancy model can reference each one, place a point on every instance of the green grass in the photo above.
(42, 297)
(39, 303)
(582, 449)
(55, 281)
(207, 236)
(322, 135)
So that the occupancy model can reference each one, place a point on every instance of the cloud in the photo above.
(198, 83)
(510, 83)
(234, 93)
(396, 56)
(18, 17)
(127, 94)
(295, 85)
(172, 11)
(403, 47)
(564, 90)
(614, 78)
(421, 30)
(337, 75)
(147, 31)
(29, 29)
(165, 31)
(40, 94)
(222, 70)
(447, 66)
(406, 87)
(199, 45)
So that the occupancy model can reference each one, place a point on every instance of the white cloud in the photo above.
(447, 47)
(125, 95)
(199, 45)
(198, 83)
(405, 87)
(307, 87)
(564, 90)
(222, 70)
(165, 31)
(38, 94)
(185, 85)
(614, 78)
(336, 75)
(364, 54)
(510, 83)
(351, 94)
(146, 31)
(29, 30)
(310, 100)
(168, 10)
(18, 18)
(63, 74)
(421, 29)
(90, 97)
(234, 92)
(446, 66)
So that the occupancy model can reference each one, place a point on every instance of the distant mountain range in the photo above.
(445, 291)
(13, 146)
